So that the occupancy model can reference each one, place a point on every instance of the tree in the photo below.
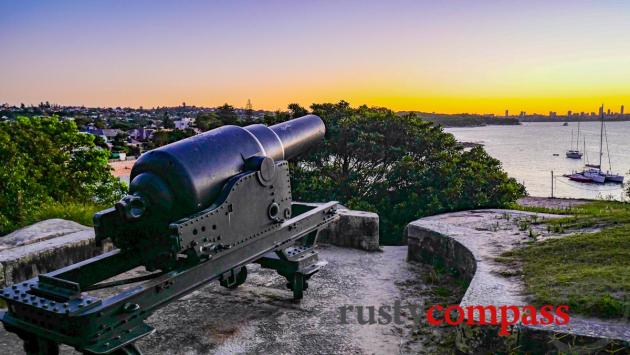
(82, 121)
(44, 160)
(206, 121)
(162, 137)
(100, 142)
(227, 115)
(119, 143)
(297, 110)
(276, 117)
(400, 166)
(167, 122)
(100, 123)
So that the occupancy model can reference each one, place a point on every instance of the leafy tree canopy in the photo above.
(45, 160)
(164, 137)
(167, 122)
(206, 121)
(401, 167)
(227, 115)
(120, 143)
(297, 111)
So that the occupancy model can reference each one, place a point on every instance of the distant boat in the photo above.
(565, 124)
(574, 153)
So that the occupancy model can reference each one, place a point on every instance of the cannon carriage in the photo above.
(198, 210)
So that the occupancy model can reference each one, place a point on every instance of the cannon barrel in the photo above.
(187, 176)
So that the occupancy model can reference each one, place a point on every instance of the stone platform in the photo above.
(258, 317)
(469, 242)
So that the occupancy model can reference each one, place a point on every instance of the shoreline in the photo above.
(551, 202)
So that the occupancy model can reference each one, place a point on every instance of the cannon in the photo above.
(198, 210)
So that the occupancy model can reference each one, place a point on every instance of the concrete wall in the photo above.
(354, 229)
(428, 247)
(44, 247)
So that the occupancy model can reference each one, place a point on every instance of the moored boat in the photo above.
(578, 177)
(574, 154)
(595, 175)
(611, 177)
(593, 172)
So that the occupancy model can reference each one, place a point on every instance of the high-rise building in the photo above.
(507, 113)
(621, 111)
(601, 110)
(569, 113)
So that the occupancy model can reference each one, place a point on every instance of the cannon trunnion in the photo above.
(251, 218)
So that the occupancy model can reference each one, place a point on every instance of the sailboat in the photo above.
(593, 173)
(608, 175)
(575, 153)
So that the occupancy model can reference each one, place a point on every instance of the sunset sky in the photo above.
(442, 56)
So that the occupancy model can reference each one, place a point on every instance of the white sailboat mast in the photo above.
(601, 135)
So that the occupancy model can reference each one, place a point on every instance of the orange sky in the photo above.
(452, 56)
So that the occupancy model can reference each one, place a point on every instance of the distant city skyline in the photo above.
(248, 106)
(448, 57)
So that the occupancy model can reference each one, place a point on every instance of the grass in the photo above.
(590, 272)
(77, 212)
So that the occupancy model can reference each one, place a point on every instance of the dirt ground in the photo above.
(261, 317)
(121, 168)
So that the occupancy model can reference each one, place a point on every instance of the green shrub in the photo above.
(79, 212)
(44, 161)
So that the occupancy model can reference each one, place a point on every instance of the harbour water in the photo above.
(527, 153)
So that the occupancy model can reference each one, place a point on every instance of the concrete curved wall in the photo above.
(466, 242)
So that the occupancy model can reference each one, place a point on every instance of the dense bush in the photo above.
(399, 166)
(45, 161)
